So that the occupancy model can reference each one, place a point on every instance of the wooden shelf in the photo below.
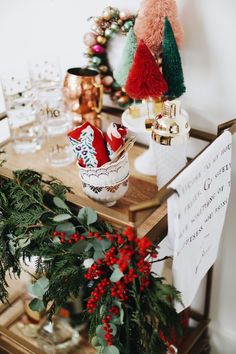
(141, 188)
(151, 219)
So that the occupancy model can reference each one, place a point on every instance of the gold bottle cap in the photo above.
(171, 127)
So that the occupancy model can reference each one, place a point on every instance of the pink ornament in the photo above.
(107, 80)
(125, 14)
(98, 49)
(90, 39)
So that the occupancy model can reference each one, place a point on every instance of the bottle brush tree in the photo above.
(171, 63)
(145, 79)
(122, 71)
(150, 21)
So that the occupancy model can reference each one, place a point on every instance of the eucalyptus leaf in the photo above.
(102, 310)
(87, 216)
(101, 245)
(79, 247)
(88, 263)
(62, 217)
(66, 227)
(109, 227)
(23, 242)
(100, 333)
(98, 255)
(116, 275)
(114, 329)
(119, 305)
(37, 305)
(111, 349)
(95, 341)
(60, 203)
(89, 246)
(12, 247)
(39, 288)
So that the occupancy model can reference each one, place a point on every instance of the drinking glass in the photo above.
(51, 111)
(45, 73)
(59, 152)
(57, 123)
(26, 128)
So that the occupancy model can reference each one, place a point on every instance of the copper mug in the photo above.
(83, 94)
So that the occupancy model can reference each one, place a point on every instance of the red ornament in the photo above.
(145, 79)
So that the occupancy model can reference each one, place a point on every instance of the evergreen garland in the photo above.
(77, 250)
(171, 63)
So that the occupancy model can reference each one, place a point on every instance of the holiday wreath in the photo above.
(127, 306)
(104, 28)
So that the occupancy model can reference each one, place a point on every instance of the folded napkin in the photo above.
(115, 137)
(89, 145)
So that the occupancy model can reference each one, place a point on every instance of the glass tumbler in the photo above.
(45, 73)
(57, 123)
(26, 128)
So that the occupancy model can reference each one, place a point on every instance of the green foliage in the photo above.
(116, 275)
(37, 305)
(121, 73)
(87, 216)
(171, 63)
(32, 223)
(39, 288)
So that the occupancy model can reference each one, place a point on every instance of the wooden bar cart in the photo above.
(143, 207)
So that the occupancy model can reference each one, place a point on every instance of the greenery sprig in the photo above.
(127, 306)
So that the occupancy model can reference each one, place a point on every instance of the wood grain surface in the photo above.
(141, 187)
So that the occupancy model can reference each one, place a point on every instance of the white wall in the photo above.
(31, 28)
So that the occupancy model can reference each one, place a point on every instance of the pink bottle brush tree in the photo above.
(149, 24)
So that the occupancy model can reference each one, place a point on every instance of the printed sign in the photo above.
(196, 215)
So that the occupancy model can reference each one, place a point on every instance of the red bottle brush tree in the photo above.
(150, 21)
(171, 63)
(145, 79)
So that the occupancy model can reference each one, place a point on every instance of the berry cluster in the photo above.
(119, 290)
(96, 294)
(73, 238)
(129, 278)
(125, 256)
(110, 257)
(95, 235)
(108, 330)
(114, 310)
(93, 272)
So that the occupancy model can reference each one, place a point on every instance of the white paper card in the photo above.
(196, 215)
(4, 130)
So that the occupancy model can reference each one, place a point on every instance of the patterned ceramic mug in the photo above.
(106, 184)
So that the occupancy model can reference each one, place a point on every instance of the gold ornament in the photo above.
(97, 20)
(89, 51)
(103, 68)
(120, 22)
(123, 100)
(107, 13)
(101, 39)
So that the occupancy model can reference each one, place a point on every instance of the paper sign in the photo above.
(196, 215)
(4, 130)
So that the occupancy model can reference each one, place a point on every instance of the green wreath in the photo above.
(104, 28)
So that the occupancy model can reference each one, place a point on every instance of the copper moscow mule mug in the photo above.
(83, 94)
